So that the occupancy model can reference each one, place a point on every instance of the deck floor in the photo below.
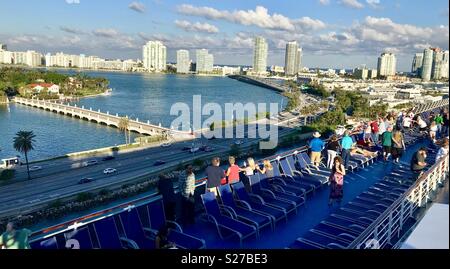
(314, 212)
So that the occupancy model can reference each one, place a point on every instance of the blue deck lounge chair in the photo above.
(157, 220)
(262, 186)
(133, 229)
(288, 164)
(45, 243)
(279, 181)
(243, 214)
(271, 197)
(255, 204)
(108, 237)
(214, 215)
(79, 238)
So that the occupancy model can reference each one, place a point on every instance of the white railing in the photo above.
(429, 106)
(389, 225)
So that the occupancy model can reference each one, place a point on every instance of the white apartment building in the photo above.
(387, 63)
(260, 56)
(205, 61)
(154, 55)
(427, 64)
(183, 62)
(291, 58)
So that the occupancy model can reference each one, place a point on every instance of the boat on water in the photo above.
(108, 92)
(383, 203)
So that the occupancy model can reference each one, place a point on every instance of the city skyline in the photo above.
(333, 34)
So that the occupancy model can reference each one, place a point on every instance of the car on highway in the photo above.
(159, 162)
(35, 168)
(166, 144)
(186, 148)
(108, 158)
(85, 180)
(206, 148)
(90, 162)
(108, 171)
(238, 142)
(194, 149)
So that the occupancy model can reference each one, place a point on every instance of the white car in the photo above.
(108, 171)
(238, 142)
(166, 144)
(90, 162)
(35, 168)
(192, 150)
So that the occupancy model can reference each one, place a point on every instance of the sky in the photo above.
(332, 33)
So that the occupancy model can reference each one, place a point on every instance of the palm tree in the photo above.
(124, 125)
(23, 142)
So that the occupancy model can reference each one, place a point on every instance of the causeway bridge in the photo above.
(97, 116)
(262, 82)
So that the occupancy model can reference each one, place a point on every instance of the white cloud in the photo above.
(373, 3)
(324, 2)
(71, 30)
(352, 4)
(258, 17)
(137, 6)
(109, 32)
(70, 2)
(196, 27)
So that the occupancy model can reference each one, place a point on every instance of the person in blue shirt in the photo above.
(346, 145)
(316, 146)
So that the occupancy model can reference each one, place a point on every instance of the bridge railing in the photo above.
(388, 226)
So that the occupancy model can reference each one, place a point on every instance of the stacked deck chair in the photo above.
(131, 224)
(223, 219)
(266, 183)
(316, 175)
(108, 236)
(260, 186)
(286, 184)
(252, 217)
(244, 199)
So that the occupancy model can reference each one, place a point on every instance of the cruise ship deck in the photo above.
(380, 206)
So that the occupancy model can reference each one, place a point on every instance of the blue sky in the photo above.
(333, 33)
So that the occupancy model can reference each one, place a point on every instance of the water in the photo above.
(143, 96)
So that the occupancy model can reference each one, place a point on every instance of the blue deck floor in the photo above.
(314, 212)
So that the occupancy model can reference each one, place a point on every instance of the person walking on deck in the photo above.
(332, 150)
(346, 146)
(337, 181)
(386, 142)
(316, 146)
(398, 145)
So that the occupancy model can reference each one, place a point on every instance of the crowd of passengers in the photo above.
(384, 135)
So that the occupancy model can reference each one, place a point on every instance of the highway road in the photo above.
(59, 178)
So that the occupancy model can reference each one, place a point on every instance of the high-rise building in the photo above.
(260, 55)
(298, 59)
(292, 58)
(154, 55)
(445, 65)
(427, 64)
(417, 63)
(438, 55)
(361, 73)
(183, 63)
(386, 64)
(33, 58)
(205, 61)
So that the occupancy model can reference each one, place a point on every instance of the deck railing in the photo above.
(387, 228)
(429, 106)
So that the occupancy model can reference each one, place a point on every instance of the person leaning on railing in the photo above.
(14, 239)
(418, 162)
